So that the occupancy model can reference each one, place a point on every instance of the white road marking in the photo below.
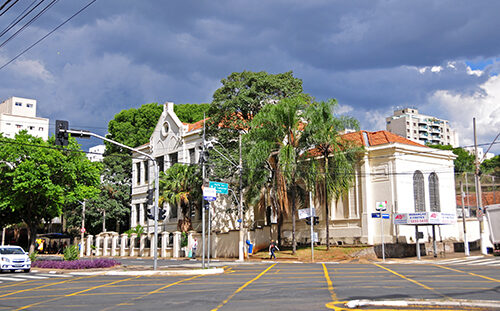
(11, 279)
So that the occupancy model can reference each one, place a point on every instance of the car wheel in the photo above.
(26, 270)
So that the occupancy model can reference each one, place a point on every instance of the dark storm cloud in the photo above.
(369, 55)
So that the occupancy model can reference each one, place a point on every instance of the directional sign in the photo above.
(221, 187)
(381, 206)
(375, 215)
(209, 194)
(306, 212)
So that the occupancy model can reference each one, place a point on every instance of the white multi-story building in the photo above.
(421, 128)
(95, 153)
(17, 114)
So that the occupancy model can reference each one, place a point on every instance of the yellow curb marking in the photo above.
(242, 287)
(470, 273)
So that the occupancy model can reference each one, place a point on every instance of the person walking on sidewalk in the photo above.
(195, 246)
(272, 248)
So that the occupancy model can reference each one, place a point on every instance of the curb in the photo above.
(422, 303)
(167, 272)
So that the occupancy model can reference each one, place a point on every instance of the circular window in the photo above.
(164, 129)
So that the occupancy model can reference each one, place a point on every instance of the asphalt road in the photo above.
(280, 286)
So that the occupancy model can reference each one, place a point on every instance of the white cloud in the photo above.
(32, 69)
(484, 105)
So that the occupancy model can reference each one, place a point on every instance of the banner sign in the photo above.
(425, 218)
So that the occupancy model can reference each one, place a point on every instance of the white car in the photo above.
(14, 258)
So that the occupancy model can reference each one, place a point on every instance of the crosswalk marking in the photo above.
(11, 279)
(25, 276)
(38, 276)
(470, 261)
(53, 275)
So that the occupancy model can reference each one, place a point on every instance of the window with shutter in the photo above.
(434, 192)
(418, 191)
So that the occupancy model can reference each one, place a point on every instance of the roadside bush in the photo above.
(33, 256)
(76, 264)
(71, 253)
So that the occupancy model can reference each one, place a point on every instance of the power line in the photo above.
(20, 17)
(34, 18)
(8, 7)
(48, 34)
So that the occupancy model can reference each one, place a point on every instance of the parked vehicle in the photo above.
(14, 258)
(493, 218)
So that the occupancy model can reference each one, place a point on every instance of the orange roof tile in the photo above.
(488, 198)
(378, 138)
(195, 126)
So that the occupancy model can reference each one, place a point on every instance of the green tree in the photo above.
(491, 166)
(334, 174)
(236, 102)
(180, 186)
(43, 179)
(133, 127)
(464, 161)
(276, 133)
(191, 113)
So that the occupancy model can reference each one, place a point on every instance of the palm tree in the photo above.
(335, 173)
(180, 185)
(274, 141)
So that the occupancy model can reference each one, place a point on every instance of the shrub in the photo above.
(138, 230)
(33, 256)
(184, 239)
(76, 264)
(71, 253)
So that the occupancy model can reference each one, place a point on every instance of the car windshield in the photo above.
(11, 251)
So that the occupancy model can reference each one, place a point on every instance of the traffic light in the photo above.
(150, 196)
(316, 220)
(162, 214)
(150, 214)
(61, 134)
(308, 221)
(204, 156)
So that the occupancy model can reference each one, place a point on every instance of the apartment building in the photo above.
(17, 114)
(423, 129)
(96, 153)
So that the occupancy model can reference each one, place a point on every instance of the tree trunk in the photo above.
(32, 230)
(280, 224)
(294, 242)
(327, 211)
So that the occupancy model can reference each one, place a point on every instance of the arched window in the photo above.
(434, 192)
(419, 191)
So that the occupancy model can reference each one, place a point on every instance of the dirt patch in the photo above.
(338, 254)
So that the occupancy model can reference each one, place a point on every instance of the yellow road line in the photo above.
(75, 293)
(470, 273)
(47, 285)
(329, 282)
(411, 280)
(242, 287)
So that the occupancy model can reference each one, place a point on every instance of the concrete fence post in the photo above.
(142, 244)
(98, 240)
(133, 238)
(123, 244)
(105, 249)
(114, 245)
(151, 245)
(90, 242)
(177, 244)
(164, 243)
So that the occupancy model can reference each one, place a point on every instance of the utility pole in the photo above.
(479, 195)
(241, 256)
(466, 242)
(82, 230)
(203, 169)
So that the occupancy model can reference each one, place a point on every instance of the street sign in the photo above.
(306, 212)
(209, 194)
(381, 206)
(375, 215)
(82, 230)
(315, 237)
(385, 216)
(220, 187)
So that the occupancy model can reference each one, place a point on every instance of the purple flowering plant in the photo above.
(76, 264)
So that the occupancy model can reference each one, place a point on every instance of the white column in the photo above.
(114, 242)
(177, 244)
(105, 249)
(151, 245)
(164, 243)
(141, 215)
(98, 240)
(133, 216)
(142, 244)
(133, 238)
(89, 245)
(123, 244)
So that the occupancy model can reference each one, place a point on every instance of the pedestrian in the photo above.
(195, 246)
(272, 248)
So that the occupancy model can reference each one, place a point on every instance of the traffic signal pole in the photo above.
(81, 133)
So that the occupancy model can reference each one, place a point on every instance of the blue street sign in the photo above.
(220, 187)
(375, 215)
(385, 216)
